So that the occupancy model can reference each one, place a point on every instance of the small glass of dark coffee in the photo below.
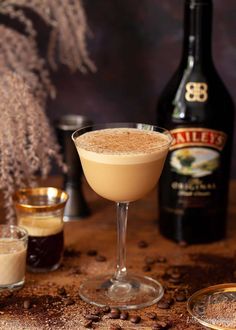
(40, 211)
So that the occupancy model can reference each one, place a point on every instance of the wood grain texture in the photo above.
(51, 307)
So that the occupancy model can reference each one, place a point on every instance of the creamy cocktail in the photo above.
(12, 260)
(122, 162)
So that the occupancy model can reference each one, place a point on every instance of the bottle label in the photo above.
(195, 158)
(184, 137)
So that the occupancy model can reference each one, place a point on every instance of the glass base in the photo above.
(32, 269)
(132, 293)
(214, 307)
(13, 286)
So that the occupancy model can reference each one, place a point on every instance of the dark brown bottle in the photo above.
(199, 111)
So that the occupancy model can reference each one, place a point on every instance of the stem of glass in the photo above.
(122, 215)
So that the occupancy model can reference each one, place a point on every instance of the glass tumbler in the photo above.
(40, 211)
(13, 247)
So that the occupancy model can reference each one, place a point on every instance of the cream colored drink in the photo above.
(41, 225)
(122, 164)
(12, 261)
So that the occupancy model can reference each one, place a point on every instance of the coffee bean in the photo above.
(180, 291)
(88, 324)
(160, 325)
(114, 315)
(100, 258)
(176, 275)
(62, 291)
(26, 304)
(135, 319)
(115, 310)
(142, 244)
(149, 261)
(105, 309)
(92, 253)
(69, 302)
(180, 297)
(151, 315)
(169, 301)
(92, 317)
(161, 260)
(174, 280)
(96, 312)
(70, 253)
(115, 327)
(146, 268)
(124, 315)
(163, 305)
(157, 326)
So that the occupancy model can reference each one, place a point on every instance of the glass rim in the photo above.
(141, 126)
(17, 229)
(211, 290)
(40, 191)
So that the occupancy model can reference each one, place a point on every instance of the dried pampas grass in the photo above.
(67, 21)
(27, 143)
(26, 140)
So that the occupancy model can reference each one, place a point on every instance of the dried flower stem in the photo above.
(27, 143)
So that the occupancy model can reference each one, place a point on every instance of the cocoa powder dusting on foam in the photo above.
(122, 141)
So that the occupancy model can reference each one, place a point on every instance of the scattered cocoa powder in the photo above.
(222, 313)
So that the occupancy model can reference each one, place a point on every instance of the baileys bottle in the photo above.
(198, 110)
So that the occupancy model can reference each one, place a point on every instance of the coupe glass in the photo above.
(122, 172)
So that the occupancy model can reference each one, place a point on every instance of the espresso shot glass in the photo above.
(13, 247)
(40, 211)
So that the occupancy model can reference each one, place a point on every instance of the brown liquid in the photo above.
(45, 252)
(122, 164)
(45, 242)
(122, 182)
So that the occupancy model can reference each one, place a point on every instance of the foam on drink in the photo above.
(40, 225)
(122, 164)
(122, 145)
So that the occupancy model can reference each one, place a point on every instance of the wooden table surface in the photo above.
(53, 301)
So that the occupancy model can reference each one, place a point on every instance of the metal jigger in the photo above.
(76, 207)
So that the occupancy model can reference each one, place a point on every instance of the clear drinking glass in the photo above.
(40, 211)
(13, 247)
(122, 162)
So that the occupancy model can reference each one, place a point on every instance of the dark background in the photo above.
(136, 45)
